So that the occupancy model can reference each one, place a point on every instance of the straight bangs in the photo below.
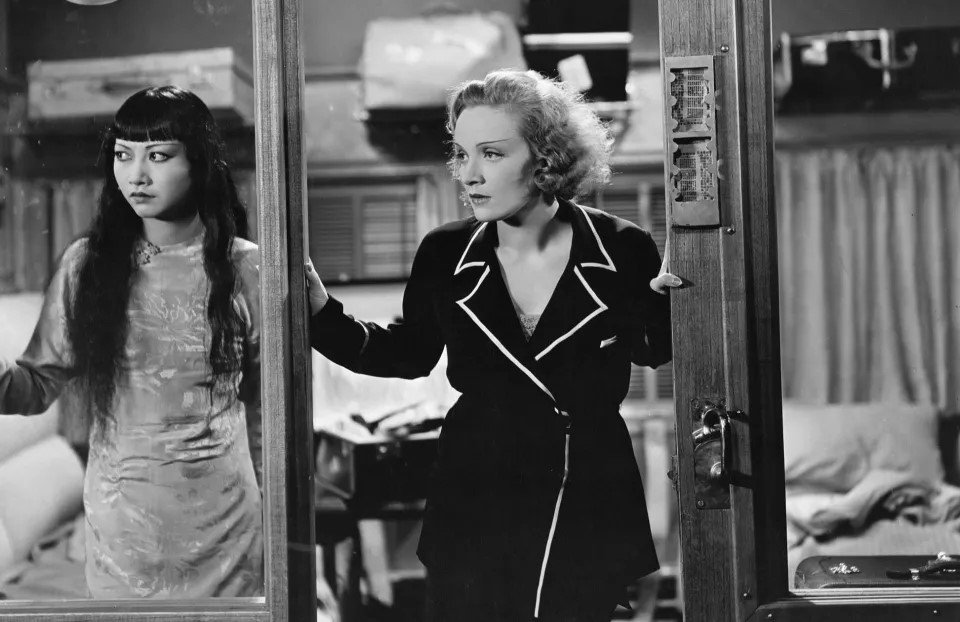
(145, 129)
(153, 118)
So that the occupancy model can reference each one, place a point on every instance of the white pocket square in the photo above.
(608, 342)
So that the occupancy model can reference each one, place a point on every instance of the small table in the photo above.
(336, 520)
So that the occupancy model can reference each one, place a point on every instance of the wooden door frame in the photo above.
(718, 319)
(735, 561)
(279, 59)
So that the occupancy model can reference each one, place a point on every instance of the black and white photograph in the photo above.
(479, 310)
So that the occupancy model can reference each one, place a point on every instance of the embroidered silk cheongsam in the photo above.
(171, 494)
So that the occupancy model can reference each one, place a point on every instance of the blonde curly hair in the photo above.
(571, 146)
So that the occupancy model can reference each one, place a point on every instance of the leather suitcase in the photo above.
(376, 470)
(861, 70)
(96, 87)
(864, 571)
(411, 63)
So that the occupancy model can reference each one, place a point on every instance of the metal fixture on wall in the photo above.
(691, 141)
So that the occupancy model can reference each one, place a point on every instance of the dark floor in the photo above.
(408, 596)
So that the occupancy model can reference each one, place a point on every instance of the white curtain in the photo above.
(869, 244)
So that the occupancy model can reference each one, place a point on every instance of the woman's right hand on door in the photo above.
(317, 293)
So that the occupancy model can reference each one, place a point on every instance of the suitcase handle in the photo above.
(864, 50)
(943, 567)
(121, 86)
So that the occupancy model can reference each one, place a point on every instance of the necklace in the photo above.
(145, 252)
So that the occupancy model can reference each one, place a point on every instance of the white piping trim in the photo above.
(601, 309)
(553, 524)
(366, 335)
(609, 265)
(460, 264)
(490, 335)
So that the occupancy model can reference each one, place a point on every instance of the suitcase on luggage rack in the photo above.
(375, 470)
(95, 87)
(865, 571)
(866, 70)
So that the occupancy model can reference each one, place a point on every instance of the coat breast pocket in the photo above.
(609, 341)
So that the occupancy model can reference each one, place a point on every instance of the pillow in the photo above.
(832, 447)
(20, 313)
(40, 488)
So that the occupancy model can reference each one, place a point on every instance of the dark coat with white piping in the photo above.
(535, 462)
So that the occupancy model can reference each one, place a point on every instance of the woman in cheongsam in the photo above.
(153, 315)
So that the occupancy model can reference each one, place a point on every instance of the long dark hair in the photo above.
(97, 325)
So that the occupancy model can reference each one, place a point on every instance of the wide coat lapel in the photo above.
(573, 305)
(488, 302)
(576, 301)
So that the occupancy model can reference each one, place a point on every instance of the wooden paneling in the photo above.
(709, 326)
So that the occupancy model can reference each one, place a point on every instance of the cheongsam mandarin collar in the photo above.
(145, 250)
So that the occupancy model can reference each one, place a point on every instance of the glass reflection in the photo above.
(867, 187)
(130, 305)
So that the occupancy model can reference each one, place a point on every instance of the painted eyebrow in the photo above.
(490, 142)
(485, 142)
(150, 144)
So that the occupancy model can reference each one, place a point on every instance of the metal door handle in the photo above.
(712, 454)
(717, 422)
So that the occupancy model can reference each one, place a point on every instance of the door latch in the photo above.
(712, 454)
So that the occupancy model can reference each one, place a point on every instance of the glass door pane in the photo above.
(868, 180)
(144, 479)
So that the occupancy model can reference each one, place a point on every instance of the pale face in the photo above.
(154, 177)
(493, 163)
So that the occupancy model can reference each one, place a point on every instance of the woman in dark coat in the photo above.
(536, 507)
